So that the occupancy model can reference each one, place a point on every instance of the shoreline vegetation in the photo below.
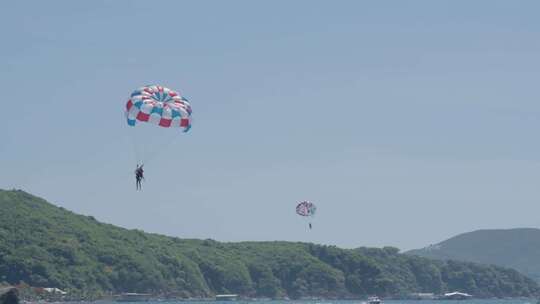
(25, 295)
(44, 246)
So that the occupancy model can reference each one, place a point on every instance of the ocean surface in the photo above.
(490, 301)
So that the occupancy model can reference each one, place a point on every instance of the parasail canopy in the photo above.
(159, 106)
(306, 208)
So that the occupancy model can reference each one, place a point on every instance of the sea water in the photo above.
(488, 301)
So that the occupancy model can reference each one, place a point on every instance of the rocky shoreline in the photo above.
(9, 295)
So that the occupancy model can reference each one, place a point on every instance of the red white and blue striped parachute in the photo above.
(160, 106)
(306, 208)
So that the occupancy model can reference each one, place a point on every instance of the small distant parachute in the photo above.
(160, 106)
(306, 209)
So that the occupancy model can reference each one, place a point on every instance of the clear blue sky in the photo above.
(406, 122)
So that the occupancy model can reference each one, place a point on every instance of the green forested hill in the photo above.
(515, 248)
(43, 245)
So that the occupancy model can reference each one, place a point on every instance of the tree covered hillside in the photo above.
(515, 248)
(44, 245)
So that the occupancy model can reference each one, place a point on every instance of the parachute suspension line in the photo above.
(132, 139)
(156, 152)
(145, 156)
(138, 158)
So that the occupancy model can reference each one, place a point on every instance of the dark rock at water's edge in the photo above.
(9, 295)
